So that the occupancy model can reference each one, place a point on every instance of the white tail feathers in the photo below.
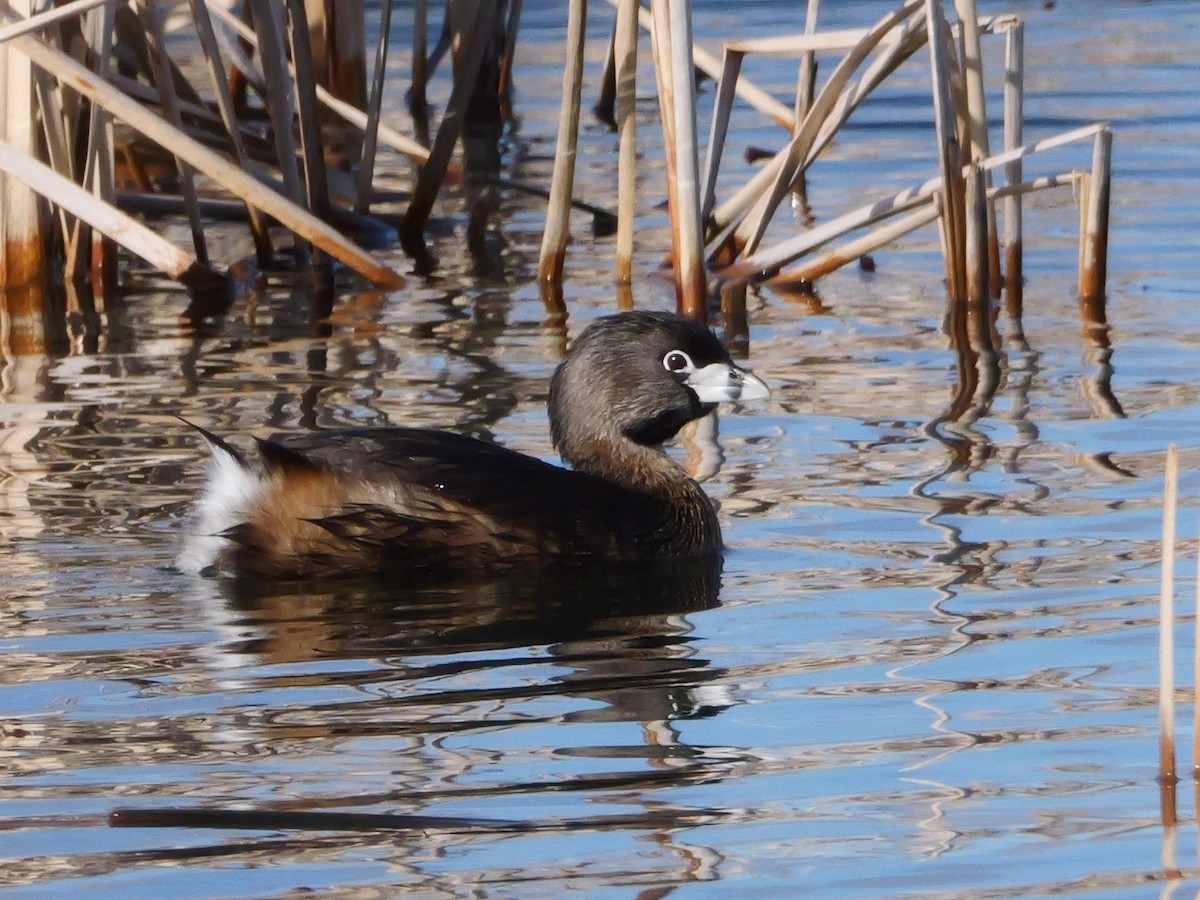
(230, 490)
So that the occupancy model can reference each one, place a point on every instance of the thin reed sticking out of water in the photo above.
(1166, 624)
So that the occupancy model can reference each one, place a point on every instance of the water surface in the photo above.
(926, 668)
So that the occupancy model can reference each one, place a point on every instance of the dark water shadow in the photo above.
(367, 617)
(620, 638)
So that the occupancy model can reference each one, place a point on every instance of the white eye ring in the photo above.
(678, 363)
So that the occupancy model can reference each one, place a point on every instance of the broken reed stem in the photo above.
(1166, 623)
(626, 49)
(562, 181)
(1093, 256)
(745, 214)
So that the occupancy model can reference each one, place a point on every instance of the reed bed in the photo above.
(281, 73)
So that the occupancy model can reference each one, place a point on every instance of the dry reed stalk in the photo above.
(131, 36)
(1014, 129)
(101, 216)
(835, 259)
(626, 49)
(1196, 682)
(798, 44)
(976, 235)
(976, 110)
(272, 54)
(358, 118)
(1093, 238)
(562, 181)
(841, 39)
(690, 276)
(316, 182)
(344, 21)
(854, 249)
(663, 44)
(57, 143)
(417, 102)
(734, 317)
(91, 257)
(215, 166)
(429, 180)
(979, 296)
(337, 37)
(277, 84)
(1166, 623)
(22, 240)
(366, 163)
(49, 17)
(660, 47)
(202, 120)
(958, 86)
(806, 78)
(731, 67)
(707, 63)
(320, 37)
(748, 234)
(605, 108)
(624, 296)
(768, 261)
(509, 52)
(763, 192)
(233, 130)
(895, 49)
(151, 16)
(949, 153)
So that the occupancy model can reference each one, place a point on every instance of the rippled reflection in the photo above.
(927, 666)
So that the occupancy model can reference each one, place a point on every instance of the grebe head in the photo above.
(639, 377)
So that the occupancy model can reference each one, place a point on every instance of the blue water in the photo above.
(928, 668)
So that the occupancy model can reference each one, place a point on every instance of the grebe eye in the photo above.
(678, 361)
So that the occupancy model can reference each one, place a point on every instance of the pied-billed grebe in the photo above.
(414, 500)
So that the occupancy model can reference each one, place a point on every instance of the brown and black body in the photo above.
(419, 501)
